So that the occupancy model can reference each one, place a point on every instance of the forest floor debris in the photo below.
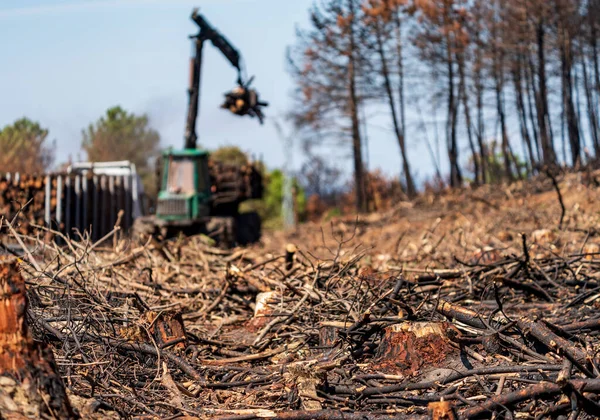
(448, 307)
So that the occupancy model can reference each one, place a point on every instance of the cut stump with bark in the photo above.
(167, 328)
(442, 410)
(30, 386)
(266, 302)
(413, 348)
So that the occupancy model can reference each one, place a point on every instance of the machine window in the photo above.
(181, 176)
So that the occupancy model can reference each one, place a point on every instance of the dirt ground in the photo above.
(433, 230)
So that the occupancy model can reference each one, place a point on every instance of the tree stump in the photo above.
(263, 310)
(30, 386)
(442, 410)
(167, 329)
(414, 348)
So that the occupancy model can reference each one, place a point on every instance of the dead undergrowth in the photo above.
(471, 304)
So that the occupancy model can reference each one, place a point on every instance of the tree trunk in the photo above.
(517, 79)
(531, 98)
(400, 54)
(359, 175)
(563, 124)
(480, 124)
(594, 15)
(549, 155)
(30, 386)
(505, 142)
(577, 101)
(498, 75)
(514, 161)
(398, 131)
(592, 115)
(466, 109)
(455, 173)
(567, 90)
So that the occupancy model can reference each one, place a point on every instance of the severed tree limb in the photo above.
(411, 386)
(538, 391)
(466, 316)
(557, 344)
(591, 324)
(583, 402)
(318, 415)
(533, 288)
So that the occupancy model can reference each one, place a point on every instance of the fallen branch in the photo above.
(544, 390)
(557, 344)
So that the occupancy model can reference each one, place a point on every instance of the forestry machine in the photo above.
(196, 193)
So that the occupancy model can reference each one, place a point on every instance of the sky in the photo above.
(64, 62)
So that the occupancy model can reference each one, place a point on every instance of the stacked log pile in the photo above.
(69, 204)
(235, 182)
(78, 202)
(23, 199)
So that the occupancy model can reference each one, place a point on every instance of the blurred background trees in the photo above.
(25, 148)
(119, 135)
(518, 82)
(512, 85)
(331, 69)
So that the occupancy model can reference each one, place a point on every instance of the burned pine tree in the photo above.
(439, 38)
(331, 72)
(384, 22)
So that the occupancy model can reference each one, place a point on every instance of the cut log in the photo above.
(458, 313)
(559, 345)
(30, 386)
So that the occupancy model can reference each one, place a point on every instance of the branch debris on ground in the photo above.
(472, 304)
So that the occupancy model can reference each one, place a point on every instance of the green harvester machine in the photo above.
(196, 193)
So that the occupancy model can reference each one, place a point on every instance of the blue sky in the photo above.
(64, 62)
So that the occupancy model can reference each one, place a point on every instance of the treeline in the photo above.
(519, 82)
(116, 135)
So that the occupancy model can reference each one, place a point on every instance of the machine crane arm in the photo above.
(218, 40)
(241, 101)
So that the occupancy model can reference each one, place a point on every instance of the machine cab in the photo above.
(185, 186)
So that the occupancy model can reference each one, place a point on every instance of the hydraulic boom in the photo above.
(240, 101)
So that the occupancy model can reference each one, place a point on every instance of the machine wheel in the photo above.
(248, 228)
(222, 230)
(143, 228)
